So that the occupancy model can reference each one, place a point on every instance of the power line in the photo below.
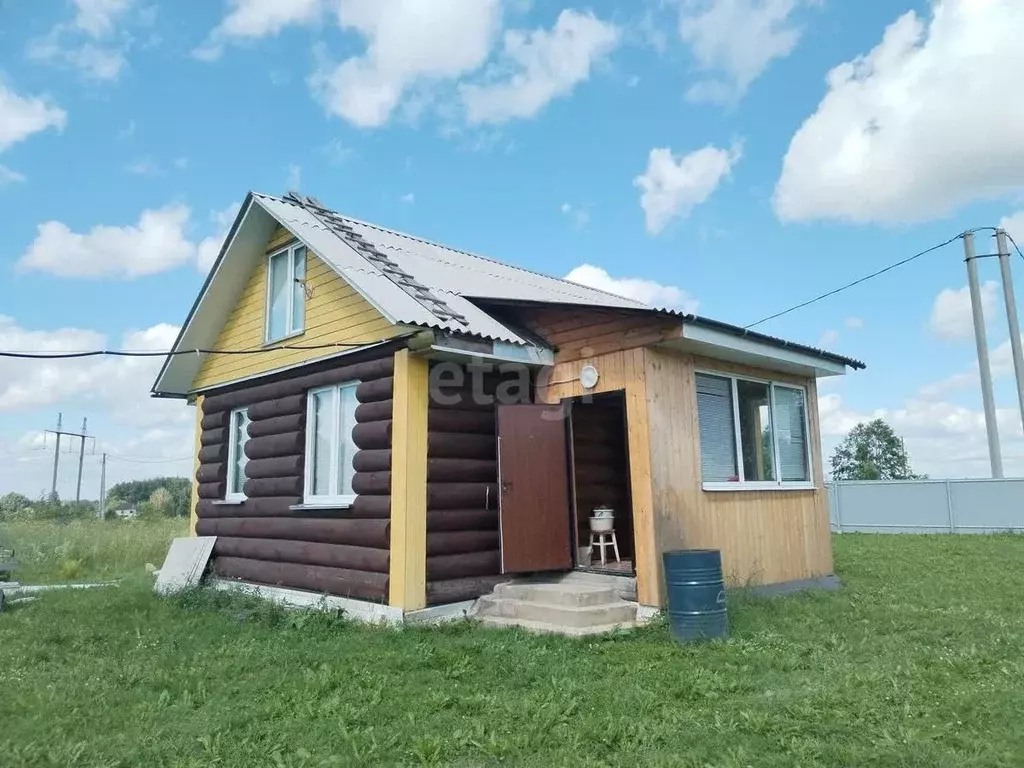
(864, 279)
(173, 353)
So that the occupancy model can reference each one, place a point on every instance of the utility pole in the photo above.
(81, 460)
(984, 370)
(101, 512)
(1011, 317)
(56, 456)
(59, 432)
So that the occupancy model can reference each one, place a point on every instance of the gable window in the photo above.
(238, 436)
(330, 419)
(752, 433)
(286, 293)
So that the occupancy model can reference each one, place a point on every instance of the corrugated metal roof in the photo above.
(451, 277)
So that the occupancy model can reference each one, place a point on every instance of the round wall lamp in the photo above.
(589, 376)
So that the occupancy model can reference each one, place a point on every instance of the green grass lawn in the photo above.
(88, 550)
(918, 661)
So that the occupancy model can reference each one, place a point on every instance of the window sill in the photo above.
(270, 344)
(228, 502)
(739, 487)
(338, 504)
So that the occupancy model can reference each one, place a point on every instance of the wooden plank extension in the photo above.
(766, 537)
(407, 585)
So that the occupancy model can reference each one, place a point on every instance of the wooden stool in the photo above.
(603, 541)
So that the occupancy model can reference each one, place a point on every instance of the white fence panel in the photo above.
(927, 506)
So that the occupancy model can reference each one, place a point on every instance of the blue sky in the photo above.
(700, 147)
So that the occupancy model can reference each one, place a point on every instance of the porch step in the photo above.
(543, 628)
(625, 586)
(553, 593)
(572, 608)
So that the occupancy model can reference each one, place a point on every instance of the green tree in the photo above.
(15, 506)
(872, 451)
(136, 493)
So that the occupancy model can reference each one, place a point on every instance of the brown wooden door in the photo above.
(533, 480)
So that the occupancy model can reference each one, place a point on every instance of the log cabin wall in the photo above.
(463, 550)
(341, 552)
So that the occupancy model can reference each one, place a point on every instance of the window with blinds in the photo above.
(752, 432)
(330, 419)
(791, 434)
(717, 429)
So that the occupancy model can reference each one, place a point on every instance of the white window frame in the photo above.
(762, 485)
(233, 456)
(335, 499)
(290, 319)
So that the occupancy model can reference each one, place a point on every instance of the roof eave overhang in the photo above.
(720, 344)
(212, 306)
(461, 349)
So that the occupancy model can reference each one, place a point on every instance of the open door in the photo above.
(533, 479)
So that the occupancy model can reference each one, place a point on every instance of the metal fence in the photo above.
(927, 506)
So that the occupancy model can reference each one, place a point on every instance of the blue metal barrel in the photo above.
(696, 594)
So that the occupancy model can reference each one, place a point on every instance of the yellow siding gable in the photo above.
(335, 313)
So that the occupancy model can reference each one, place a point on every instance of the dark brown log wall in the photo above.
(342, 552)
(463, 549)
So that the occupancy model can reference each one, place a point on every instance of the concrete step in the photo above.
(625, 586)
(568, 595)
(557, 615)
(541, 627)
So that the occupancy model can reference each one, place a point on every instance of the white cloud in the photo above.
(409, 44)
(91, 42)
(1014, 226)
(672, 186)
(22, 116)
(543, 65)
(409, 198)
(97, 17)
(951, 317)
(337, 153)
(943, 439)
(8, 176)
(854, 323)
(828, 338)
(209, 248)
(294, 180)
(737, 40)
(254, 19)
(144, 166)
(918, 127)
(157, 243)
(647, 291)
(31, 383)
(579, 215)
(112, 392)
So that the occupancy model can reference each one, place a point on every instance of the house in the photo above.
(386, 419)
